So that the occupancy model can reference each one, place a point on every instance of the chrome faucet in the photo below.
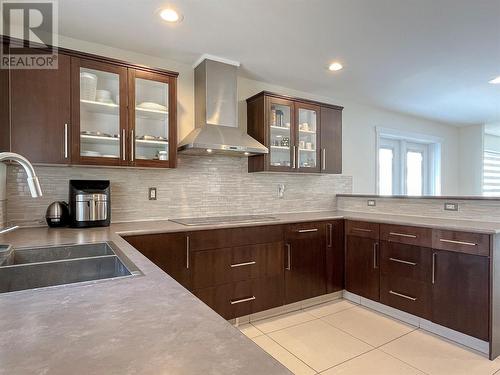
(33, 184)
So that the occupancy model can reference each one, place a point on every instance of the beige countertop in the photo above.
(140, 325)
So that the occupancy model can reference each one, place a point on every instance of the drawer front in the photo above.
(406, 234)
(461, 242)
(405, 294)
(221, 238)
(242, 298)
(220, 266)
(305, 231)
(409, 261)
(362, 229)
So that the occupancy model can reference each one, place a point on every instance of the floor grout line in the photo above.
(293, 355)
(399, 359)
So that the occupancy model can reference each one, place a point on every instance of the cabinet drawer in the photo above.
(305, 230)
(406, 234)
(405, 294)
(221, 238)
(409, 261)
(244, 297)
(362, 229)
(220, 266)
(462, 242)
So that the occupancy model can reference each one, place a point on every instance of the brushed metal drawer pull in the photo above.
(187, 252)
(402, 235)
(402, 295)
(289, 256)
(434, 267)
(362, 230)
(375, 246)
(243, 264)
(307, 230)
(242, 300)
(403, 261)
(458, 242)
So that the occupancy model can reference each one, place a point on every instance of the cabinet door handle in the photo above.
(402, 235)
(375, 245)
(307, 230)
(458, 242)
(434, 267)
(66, 141)
(323, 162)
(402, 295)
(330, 235)
(243, 264)
(289, 257)
(293, 159)
(187, 252)
(123, 144)
(362, 230)
(132, 145)
(403, 261)
(234, 302)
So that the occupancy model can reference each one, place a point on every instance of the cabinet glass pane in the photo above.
(151, 120)
(307, 138)
(280, 135)
(99, 114)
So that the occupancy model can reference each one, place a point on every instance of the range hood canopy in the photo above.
(216, 113)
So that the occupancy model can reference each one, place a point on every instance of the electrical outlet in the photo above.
(152, 194)
(281, 191)
(450, 206)
(371, 202)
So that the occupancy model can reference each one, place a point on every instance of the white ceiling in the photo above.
(430, 58)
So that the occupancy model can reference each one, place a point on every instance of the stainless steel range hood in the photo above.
(216, 114)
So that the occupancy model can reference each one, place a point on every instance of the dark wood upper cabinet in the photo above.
(152, 118)
(305, 259)
(169, 251)
(460, 292)
(91, 110)
(362, 267)
(302, 135)
(40, 113)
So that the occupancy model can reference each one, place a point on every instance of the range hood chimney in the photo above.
(216, 113)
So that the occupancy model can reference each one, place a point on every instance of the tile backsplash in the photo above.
(468, 209)
(200, 186)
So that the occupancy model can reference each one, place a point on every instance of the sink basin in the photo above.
(39, 267)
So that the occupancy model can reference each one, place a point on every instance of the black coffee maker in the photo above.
(89, 203)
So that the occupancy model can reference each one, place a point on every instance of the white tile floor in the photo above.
(342, 338)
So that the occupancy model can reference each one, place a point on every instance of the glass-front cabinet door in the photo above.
(308, 141)
(99, 118)
(150, 117)
(281, 134)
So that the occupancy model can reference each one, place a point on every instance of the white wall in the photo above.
(471, 160)
(359, 121)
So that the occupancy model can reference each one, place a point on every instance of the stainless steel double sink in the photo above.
(39, 267)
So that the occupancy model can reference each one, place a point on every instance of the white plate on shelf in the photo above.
(109, 156)
(152, 106)
(90, 153)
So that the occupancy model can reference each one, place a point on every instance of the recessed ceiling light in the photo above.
(495, 81)
(170, 15)
(336, 66)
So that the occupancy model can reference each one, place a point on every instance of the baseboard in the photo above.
(439, 330)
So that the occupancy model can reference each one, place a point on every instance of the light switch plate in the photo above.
(371, 202)
(450, 206)
(152, 194)
(281, 191)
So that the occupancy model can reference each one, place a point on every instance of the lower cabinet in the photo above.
(362, 268)
(243, 297)
(169, 251)
(405, 278)
(460, 292)
(305, 261)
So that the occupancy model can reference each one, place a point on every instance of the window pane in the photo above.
(414, 175)
(385, 156)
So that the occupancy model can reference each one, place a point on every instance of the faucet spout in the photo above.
(33, 183)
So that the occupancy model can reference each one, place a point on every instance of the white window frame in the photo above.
(401, 142)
